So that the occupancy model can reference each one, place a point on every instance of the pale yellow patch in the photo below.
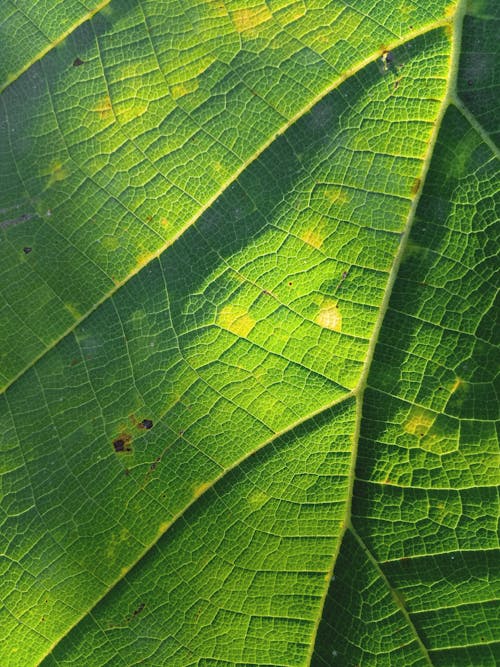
(57, 173)
(104, 107)
(329, 316)
(336, 195)
(456, 385)
(73, 310)
(110, 242)
(163, 527)
(313, 238)
(236, 320)
(130, 109)
(257, 499)
(115, 542)
(250, 19)
(419, 422)
(201, 488)
(184, 88)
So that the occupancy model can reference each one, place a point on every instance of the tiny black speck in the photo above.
(27, 250)
(77, 62)
(147, 423)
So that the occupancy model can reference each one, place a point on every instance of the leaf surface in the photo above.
(250, 338)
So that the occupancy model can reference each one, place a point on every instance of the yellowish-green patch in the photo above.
(179, 90)
(250, 19)
(201, 488)
(58, 172)
(419, 422)
(73, 310)
(110, 242)
(257, 498)
(236, 319)
(313, 237)
(335, 194)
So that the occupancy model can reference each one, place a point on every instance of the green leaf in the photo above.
(250, 342)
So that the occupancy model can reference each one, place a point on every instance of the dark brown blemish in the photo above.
(77, 62)
(290, 283)
(27, 250)
(137, 611)
(470, 82)
(122, 444)
(416, 186)
(146, 423)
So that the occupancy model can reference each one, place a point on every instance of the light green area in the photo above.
(250, 401)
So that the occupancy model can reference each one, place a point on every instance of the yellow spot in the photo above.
(456, 385)
(73, 310)
(180, 89)
(249, 19)
(163, 527)
(57, 173)
(335, 194)
(164, 222)
(201, 488)
(419, 422)
(330, 316)
(123, 571)
(257, 499)
(313, 238)
(110, 242)
(143, 258)
(451, 9)
(236, 320)
(104, 107)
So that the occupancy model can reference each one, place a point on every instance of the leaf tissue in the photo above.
(249, 337)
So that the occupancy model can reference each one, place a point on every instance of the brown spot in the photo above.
(416, 186)
(396, 83)
(27, 250)
(470, 82)
(137, 611)
(146, 423)
(126, 471)
(122, 443)
(77, 62)
(74, 362)
(290, 283)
